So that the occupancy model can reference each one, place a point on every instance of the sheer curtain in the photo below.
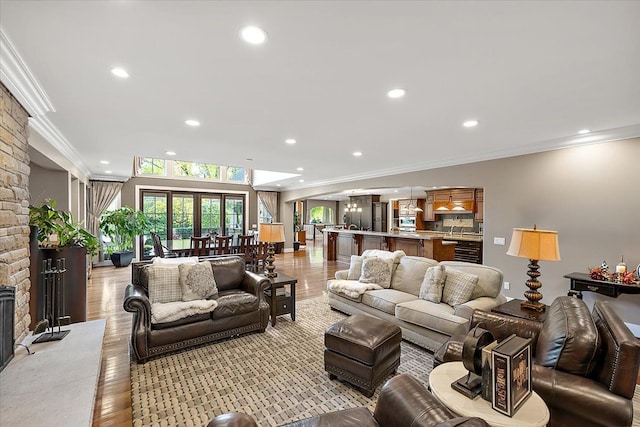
(269, 200)
(99, 198)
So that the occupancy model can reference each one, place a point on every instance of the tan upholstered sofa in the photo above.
(425, 323)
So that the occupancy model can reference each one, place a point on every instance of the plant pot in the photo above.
(296, 246)
(122, 259)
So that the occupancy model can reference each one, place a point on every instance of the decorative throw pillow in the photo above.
(458, 287)
(163, 283)
(433, 283)
(175, 261)
(355, 268)
(197, 281)
(376, 270)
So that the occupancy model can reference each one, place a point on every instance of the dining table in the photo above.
(182, 247)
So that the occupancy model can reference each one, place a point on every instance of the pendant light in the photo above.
(411, 206)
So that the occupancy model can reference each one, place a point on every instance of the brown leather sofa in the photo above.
(403, 401)
(241, 308)
(585, 366)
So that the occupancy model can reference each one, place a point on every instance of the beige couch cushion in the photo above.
(458, 287)
(386, 299)
(410, 273)
(376, 270)
(489, 278)
(437, 317)
(355, 268)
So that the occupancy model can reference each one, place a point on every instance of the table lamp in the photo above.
(271, 232)
(535, 245)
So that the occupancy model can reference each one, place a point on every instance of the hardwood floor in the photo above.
(105, 295)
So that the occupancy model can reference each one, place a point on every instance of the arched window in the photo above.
(321, 215)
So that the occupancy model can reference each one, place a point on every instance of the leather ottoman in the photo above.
(362, 350)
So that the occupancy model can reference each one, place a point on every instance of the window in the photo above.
(210, 215)
(155, 209)
(263, 214)
(233, 215)
(182, 224)
(149, 166)
(321, 214)
(198, 170)
(190, 170)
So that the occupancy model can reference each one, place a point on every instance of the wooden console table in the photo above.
(581, 282)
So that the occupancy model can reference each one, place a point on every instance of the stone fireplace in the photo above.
(14, 206)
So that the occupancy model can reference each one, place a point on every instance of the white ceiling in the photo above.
(532, 73)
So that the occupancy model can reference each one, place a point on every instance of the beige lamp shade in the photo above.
(271, 232)
(541, 245)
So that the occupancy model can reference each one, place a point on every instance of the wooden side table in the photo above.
(281, 301)
(512, 308)
(532, 413)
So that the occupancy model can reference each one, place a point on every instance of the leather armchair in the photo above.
(585, 365)
(403, 401)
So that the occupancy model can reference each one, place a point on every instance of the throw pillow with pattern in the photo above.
(433, 283)
(376, 270)
(197, 281)
(355, 268)
(458, 287)
(163, 283)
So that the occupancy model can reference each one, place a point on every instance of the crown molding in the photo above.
(22, 84)
(53, 136)
(609, 135)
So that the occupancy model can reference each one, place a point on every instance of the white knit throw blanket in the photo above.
(352, 288)
(172, 311)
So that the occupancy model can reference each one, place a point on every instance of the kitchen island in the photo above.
(339, 245)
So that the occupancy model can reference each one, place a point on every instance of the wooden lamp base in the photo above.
(533, 296)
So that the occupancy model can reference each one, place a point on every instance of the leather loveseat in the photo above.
(241, 307)
(585, 365)
(403, 401)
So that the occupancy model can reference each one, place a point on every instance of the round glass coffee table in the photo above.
(533, 413)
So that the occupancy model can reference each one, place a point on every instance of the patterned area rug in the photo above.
(277, 376)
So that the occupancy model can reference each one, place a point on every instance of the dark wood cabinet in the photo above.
(468, 251)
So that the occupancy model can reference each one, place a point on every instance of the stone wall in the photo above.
(14, 206)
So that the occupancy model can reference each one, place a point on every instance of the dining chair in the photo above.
(246, 249)
(222, 245)
(261, 254)
(200, 246)
(158, 248)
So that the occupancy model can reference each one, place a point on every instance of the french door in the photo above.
(175, 215)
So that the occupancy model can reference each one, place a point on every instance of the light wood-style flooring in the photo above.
(105, 295)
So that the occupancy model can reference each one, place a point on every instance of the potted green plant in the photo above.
(122, 226)
(57, 229)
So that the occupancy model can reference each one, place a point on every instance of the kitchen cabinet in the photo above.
(380, 216)
(404, 211)
(456, 200)
(429, 214)
(479, 204)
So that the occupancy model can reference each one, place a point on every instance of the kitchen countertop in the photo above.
(421, 235)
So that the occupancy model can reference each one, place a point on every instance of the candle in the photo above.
(621, 268)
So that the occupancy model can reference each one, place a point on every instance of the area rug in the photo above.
(277, 376)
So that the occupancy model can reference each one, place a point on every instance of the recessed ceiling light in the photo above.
(290, 141)
(396, 93)
(299, 169)
(583, 131)
(395, 191)
(301, 180)
(170, 153)
(108, 172)
(191, 122)
(249, 159)
(278, 185)
(253, 35)
(104, 162)
(357, 153)
(470, 123)
(120, 72)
